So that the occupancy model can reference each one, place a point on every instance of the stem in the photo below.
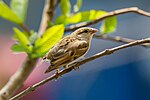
(109, 14)
(56, 3)
(77, 64)
(25, 28)
(47, 16)
(17, 80)
(118, 39)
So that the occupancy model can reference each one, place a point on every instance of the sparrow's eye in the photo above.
(85, 31)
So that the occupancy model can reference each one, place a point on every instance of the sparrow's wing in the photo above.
(58, 49)
(68, 53)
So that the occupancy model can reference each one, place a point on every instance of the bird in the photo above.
(70, 49)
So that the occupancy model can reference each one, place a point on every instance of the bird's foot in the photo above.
(76, 68)
(66, 66)
(57, 74)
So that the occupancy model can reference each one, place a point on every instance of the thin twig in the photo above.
(77, 64)
(25, 28)
(109, 14)
(118, 39)
(47, 15)
(56, 4)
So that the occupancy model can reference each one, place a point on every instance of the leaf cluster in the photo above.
(36, 46)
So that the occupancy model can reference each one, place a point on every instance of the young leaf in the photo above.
(109, 25)
(33, 37)
(19, 7)
(77, 5)
(79, 17)
(65, 7)
(18, 48)
(60, 20)
(22, 39)
(48, 39)
(8, 14)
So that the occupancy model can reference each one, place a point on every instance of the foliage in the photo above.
(36, 46)
(48, 39)
(65, 7)
(23, 41)
(108, 25)
(77, 6)
(8, 14)
(19, 7)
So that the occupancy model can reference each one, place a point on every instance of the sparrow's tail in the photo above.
(50, 68)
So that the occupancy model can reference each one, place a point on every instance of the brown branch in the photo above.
(109, 14)
(47, 15)
(77, 64)
(17, 80)
(56, 3)
(118, 39)
(25, 28)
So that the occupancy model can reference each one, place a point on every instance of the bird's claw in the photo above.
(76, 68)
(65, 67)
(57, 74)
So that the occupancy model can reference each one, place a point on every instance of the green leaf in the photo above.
(65, 7)
(18, 48)
(48, 39)
(50, 24)
(19, 7)
(60, 20)
(79, 17)
(33, 37)
(109, 25)
(77, 5)
(23, 40)
(8, 14)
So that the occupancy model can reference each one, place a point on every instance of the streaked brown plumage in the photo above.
(70, 48)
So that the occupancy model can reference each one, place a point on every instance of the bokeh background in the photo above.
(124, 75)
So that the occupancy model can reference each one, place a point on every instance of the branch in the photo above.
(109, 14)
(77, 64)
(17, 80)
(56, 3)
(25, 28)
(47, 15)
(118, 39)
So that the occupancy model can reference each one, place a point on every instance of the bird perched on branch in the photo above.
(70, 49)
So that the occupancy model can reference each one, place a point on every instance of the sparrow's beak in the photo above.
(94, 30)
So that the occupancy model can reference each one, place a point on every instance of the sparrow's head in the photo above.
(85, 32)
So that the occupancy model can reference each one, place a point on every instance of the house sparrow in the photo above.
(70, 49)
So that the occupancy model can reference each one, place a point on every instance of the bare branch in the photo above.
(77, 64)
(56, 4)
(109, 14)
(17, 80)
(47, 16)
(25, 28)
(118, 39)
